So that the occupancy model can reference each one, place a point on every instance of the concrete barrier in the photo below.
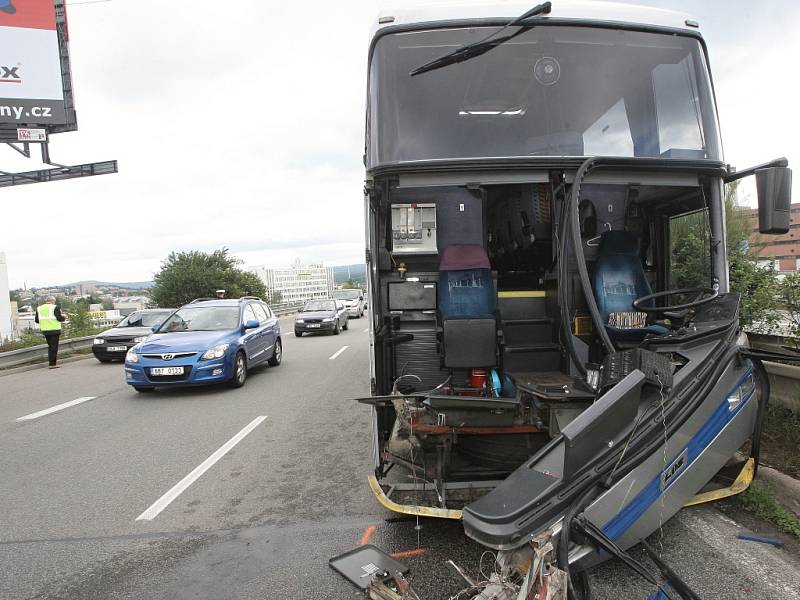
(784, 383)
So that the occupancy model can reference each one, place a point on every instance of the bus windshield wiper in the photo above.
(483, 46)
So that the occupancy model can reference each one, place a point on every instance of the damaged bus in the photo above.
(534, 362)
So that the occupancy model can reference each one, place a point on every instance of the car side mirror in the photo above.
(774, 187)
(154, 328)
(251, 324)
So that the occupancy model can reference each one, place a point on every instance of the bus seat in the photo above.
(467, 307)
(619, 279)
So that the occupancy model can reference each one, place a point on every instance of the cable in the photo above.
(566, 534)
(563, 273)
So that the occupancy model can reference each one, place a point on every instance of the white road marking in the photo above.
(184, 483)
(338, 352)
(58, 407)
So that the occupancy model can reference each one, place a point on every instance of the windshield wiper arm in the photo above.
(483, 46)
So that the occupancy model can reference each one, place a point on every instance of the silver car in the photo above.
(353, 301)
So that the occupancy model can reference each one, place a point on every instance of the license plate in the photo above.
(166, 371)
(313, 325)
(117, 348)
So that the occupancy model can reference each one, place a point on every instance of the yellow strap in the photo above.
(742, 482)
(405, 509)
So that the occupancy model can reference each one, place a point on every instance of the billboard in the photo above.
(35, 89)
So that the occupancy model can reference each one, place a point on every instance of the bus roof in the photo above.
(578, 10)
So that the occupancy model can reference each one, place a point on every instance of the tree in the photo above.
(350, 285)
(691, 266)
(185, 276)
(79, 322)
(789, 293)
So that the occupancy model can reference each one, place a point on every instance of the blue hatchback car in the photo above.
(206, 341)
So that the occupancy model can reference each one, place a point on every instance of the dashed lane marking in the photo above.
(184, 483)
(338, 352)
(56, 408)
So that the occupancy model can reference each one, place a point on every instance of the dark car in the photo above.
(114, 343)
(329, 316)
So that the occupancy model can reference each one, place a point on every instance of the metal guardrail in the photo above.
(15, 358)
(287, 308)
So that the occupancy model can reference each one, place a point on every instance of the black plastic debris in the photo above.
(361, 564)
(763, 539)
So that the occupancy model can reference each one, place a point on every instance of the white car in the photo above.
(353, 301)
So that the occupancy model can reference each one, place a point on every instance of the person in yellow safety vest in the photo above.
(49, 318)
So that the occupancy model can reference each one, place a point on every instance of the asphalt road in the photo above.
(77, 488)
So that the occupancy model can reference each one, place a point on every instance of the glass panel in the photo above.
(677, 108)
(208, 318)
(261, 315)
(552, 91)
(690, 250)
(249, 315)
(610, 135)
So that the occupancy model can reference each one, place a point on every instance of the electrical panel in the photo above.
(414, 229)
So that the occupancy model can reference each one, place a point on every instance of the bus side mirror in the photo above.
(774, 186)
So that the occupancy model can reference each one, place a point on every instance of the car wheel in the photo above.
(104, 360)
(239, 371)
(336, 328)
(346, 325)
(277, 354)
(143, 390)
(298, 334)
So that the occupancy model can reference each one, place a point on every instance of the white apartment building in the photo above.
(6, 327)
(298, 282)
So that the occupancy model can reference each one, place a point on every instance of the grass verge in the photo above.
(781, 439)
(759, 500)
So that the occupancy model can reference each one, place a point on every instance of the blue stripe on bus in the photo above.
(620, 523)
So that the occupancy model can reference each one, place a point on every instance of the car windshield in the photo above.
(315, 305)
(347, 294)
(551, 91)
(143, 319)
(202, 318)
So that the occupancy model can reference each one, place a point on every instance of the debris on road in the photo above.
(366, 563)
(762, 539)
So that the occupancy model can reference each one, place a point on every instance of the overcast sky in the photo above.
(240, 124)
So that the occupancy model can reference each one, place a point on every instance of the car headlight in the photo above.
(299, 321)
(131, 357)
(327, 319)
(215, 352)
(99, 341)
(141, 338)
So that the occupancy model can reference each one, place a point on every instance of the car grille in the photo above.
(112, 341)
(313, 320)
(173, 355)
(187, 370)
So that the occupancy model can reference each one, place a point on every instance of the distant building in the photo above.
(6, 327)
(85, 289)
(298, 282)
(785, 249)
(128, 304)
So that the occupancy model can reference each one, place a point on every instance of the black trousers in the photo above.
(52, 346)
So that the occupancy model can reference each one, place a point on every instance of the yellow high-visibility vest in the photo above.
(47, 318)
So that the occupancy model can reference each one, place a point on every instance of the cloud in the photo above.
(240, 124)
